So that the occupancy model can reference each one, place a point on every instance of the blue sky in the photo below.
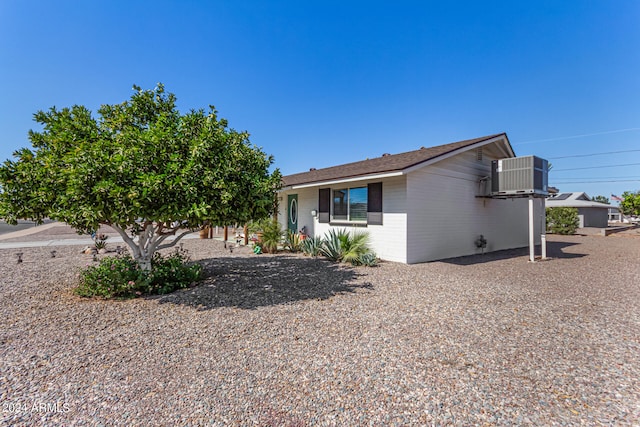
(323, 83)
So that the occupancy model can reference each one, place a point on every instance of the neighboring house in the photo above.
(590, 213)
(418, 206)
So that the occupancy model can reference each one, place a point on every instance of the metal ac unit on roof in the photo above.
(519, 175)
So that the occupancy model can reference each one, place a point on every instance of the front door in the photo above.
(292, 212)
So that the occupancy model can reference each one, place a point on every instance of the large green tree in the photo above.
(142, 168)
(630, 204)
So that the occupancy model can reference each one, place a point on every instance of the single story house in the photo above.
(418, 206)
(590, 213)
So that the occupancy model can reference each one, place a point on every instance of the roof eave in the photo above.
(366, 177)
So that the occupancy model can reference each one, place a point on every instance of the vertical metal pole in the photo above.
(543, 227)
(532, 243)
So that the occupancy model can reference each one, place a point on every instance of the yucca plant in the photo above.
(293, 242)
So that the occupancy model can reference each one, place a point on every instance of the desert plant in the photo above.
(562, 220)
(311, 246)
(340, 245)
(353, 246)
(122, 277)
(293, 241)
(368, 259)
(100, 241)
(332, 246)
(271, 236)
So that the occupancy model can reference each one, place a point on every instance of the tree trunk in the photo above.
(150, 239)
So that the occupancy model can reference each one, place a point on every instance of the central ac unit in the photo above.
(519, 175)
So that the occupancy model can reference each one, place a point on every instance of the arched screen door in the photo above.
(292, 212)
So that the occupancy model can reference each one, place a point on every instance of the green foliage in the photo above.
(311, 246)
(368, 259)
(601, 199)
(271, 236)
(100, 241)
(562, 220)
(332, 246)
(122, 277)
(141, 167)
(342, 246)
(630, 205)
(293, 241)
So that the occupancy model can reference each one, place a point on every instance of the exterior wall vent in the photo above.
(519, 175)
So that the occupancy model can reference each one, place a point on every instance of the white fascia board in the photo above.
(344, 180)
(454, 153)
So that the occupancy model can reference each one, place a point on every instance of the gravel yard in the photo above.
(287, 340)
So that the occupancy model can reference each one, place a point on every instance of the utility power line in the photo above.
(593, 154)
(595, 167)
(578, 136)
(594, 182)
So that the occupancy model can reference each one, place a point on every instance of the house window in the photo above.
(350, 204)
(361, 205)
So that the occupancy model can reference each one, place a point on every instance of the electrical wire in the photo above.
(593, 154)
(595, 167)
(577, 136)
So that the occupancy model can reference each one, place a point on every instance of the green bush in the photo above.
(121, 277)
(562, 220)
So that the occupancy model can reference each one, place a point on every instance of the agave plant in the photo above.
(369, 259)
(332, 246)
(340, 245)
(311, 246)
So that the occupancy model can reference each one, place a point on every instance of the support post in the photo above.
(532, 242)
(543, 227)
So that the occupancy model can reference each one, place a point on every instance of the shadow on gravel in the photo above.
(266, 280)
(554, 250)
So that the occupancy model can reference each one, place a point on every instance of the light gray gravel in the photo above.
(291, 341)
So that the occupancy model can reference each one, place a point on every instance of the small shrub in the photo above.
(121, 277)
(562, 220)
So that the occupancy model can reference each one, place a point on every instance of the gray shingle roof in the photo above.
(384, 164)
